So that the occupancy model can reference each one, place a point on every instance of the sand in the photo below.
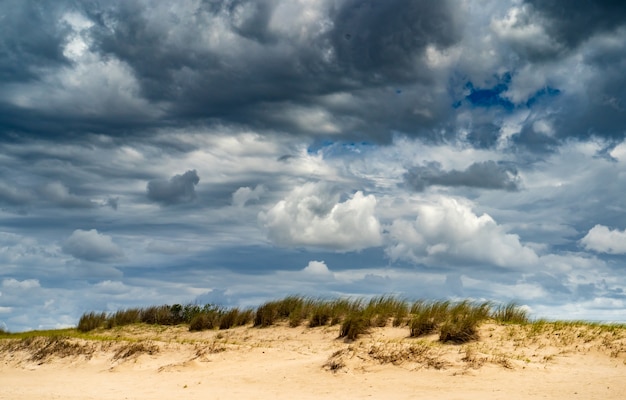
(149, 362)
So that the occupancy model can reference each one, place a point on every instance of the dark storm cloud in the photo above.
(258, 72)
(381, 40)
(360, 68)
(179, 189)
(571, 22)
(482, 175)
(31, 37)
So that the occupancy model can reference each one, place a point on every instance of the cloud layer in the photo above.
(236, 151)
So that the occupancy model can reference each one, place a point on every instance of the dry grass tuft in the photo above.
(135, 349)
(422, 354)
(336, 361)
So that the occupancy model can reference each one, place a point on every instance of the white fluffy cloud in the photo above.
(312, 215)
(447, 230)
(318, 268)
(92, 246)
(245, 194)
(604, 240)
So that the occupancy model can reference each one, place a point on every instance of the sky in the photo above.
(236, 151)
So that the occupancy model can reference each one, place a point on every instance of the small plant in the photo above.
(335, 361)
(131, 349)
(157, 315)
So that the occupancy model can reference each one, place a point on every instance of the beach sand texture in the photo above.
(535, 361)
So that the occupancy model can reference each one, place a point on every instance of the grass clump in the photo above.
(461, 324)
(356, 323)
(320, 314)
(204, 321)
(235, 317)
(90, 321)
(383, 308)
(271, 312)
(511, 313)
(427, 317)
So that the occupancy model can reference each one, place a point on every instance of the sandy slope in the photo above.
(508, 362)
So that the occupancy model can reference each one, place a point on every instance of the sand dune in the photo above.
(154, 362)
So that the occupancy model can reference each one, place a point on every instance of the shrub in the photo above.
(190, 311)
(156, 315)
(176, 314)
(91, 321)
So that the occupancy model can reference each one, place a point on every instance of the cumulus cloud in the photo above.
(179, 189)
(317, 268)
(447, 230)
(245, 194)
(312, 215)
(604, 240)
(92, 246)
(483, 175)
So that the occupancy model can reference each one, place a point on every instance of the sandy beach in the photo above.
(280, 362)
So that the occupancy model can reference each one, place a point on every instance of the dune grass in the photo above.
(453, 322)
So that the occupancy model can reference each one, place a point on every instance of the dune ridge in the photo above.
(140, 361)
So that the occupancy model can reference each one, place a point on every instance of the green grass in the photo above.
(455, 322)
(461, 323)
(426, 317)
